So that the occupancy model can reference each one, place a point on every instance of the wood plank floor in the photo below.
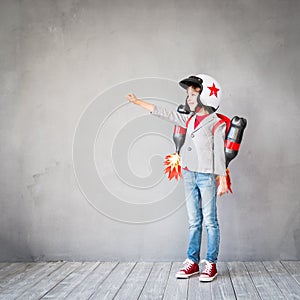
(147, 280)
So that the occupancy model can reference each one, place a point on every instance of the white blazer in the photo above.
(202, 151)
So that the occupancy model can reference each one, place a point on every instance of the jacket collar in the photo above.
(204, 122)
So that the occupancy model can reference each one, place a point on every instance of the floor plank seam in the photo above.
(253, 283)
(59, 282)
(226, 264)
(169, 274)
(187, 291)
(19, 280)
(42, 278)
(276, 282)
(273, 279)
(289, 273)
(101, 282)
(145, 282)
(88, 274)
(290, 295)
(124, 281)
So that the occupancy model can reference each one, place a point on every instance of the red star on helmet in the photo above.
(213, 90)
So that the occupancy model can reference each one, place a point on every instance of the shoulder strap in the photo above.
(217, 125)
(223, 119)
(188, 121)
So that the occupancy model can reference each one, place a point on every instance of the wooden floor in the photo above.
(147, 280)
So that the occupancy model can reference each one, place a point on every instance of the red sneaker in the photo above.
(189, 269)
(210, 271)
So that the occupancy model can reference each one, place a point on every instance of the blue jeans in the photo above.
(201, 203)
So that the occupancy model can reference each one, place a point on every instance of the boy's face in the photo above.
(192, 93)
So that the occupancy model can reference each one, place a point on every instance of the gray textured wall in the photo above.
(65, 68)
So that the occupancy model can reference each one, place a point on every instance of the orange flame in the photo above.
(173, 167)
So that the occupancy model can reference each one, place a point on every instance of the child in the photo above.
(203, 158)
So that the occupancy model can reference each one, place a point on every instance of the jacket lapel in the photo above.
(207, 120)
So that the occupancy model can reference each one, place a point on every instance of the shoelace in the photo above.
(187, 264)
(208, 266)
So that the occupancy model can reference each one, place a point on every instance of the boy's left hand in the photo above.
(222, 186)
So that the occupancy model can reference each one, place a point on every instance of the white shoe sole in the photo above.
(185, 276)
(207, 279)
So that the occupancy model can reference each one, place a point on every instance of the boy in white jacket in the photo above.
(203, 158)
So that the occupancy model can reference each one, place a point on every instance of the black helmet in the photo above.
(192, 80)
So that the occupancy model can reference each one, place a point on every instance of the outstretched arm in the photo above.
(169, 115)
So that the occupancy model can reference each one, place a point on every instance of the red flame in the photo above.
(173, 167)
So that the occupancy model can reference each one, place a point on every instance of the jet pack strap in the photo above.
(188, 121)
(226, 120)
(217, 125)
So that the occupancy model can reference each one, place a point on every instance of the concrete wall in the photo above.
(81, 169)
